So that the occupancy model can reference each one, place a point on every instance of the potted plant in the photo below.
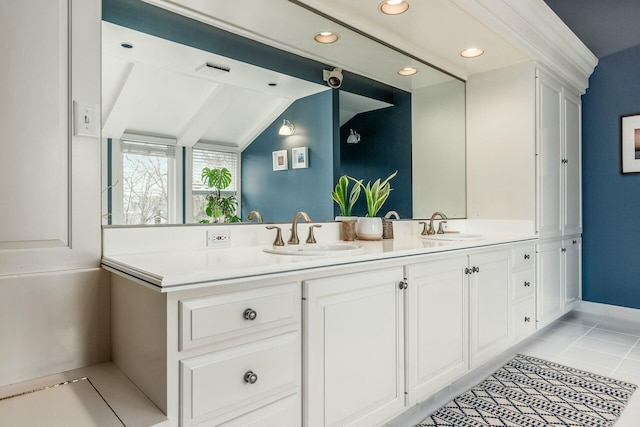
(370, 227)
(219, 208)
(339, 195)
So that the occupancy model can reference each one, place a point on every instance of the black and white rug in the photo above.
(531, 392)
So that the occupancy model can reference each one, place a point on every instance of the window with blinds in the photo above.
(212, 159)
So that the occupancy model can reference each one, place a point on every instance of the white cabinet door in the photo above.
(49, 221)
(489, 314)
(353, 348)
(572, 216)
(550, 281)
(549, 150)
(436, 325)
(572, 272)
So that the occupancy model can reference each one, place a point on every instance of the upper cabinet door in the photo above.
(572, 217)
(549, 150)
(49, 179)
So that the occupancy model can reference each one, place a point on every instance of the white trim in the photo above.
(537, 30)
(624, 313)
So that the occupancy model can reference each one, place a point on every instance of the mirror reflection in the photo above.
(170, 110)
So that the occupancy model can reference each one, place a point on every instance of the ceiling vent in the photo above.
(212, 69)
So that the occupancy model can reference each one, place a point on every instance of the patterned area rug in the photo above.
(531, 392)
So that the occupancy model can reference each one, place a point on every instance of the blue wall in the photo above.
(278, 195)
(384, 148)
(611, 200)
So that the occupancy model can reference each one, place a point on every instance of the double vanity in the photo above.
(239, 336)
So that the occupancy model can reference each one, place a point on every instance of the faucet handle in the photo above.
(424, 228)
(440, 229)
(310, 237)
(278, 241)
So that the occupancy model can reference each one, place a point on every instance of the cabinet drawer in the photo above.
(522, 284)
(215, 388)
(523, 256)
(283, 413)
(523, 318)
(217, 318)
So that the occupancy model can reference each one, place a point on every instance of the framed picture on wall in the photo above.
(630, 143)
(299, 158)
(280, 160)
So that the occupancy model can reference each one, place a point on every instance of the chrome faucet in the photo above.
(293, 240)
(430, 229)
(256, 215)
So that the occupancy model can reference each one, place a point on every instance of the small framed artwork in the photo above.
(280, 160)
(630, 143)
(299, 158)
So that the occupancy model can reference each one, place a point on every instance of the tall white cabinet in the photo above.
(524, 164)
(558, 156)
(559, 198)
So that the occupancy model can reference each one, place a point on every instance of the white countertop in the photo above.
(176, 270)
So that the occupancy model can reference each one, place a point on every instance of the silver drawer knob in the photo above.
(250, 314)
(527, 319)
(250, 377)
(527, 256)
(527, 284)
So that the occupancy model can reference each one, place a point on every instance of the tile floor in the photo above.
(603, 345)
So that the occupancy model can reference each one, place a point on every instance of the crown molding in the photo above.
(533, 27)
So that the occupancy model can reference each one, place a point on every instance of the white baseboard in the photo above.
(615, 311)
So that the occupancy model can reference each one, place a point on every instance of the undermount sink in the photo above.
(316, 249)
(453, 236)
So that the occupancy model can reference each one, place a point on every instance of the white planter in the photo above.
(369, 228)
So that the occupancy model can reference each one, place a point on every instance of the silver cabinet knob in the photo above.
(250, 377)
(475, 269)
(403, 284)
(250, 314)
(527, 256)
(527, 284)
(527, 319)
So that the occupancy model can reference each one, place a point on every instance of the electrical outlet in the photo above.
(218, 238)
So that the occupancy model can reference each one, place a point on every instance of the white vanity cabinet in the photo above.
(221, 355)
(559, 277)
(489, 304)
(436, 325)
(354, 348)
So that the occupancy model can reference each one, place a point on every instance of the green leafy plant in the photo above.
(376, 194)
(219, 208)
(339, 194)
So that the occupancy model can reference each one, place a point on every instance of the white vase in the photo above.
(369, 228)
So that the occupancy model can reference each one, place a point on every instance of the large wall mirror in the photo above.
(212, 86)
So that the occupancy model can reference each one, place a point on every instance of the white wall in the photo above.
(54, 299)
(501, 131)
(438, 150)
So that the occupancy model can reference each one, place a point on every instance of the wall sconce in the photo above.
(353, 138)
(287, 128)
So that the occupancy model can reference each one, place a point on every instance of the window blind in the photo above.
(147, 149)
(213, 159)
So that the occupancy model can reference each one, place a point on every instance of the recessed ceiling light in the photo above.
(407, 71)
(326, 37)
(393, 7)
(471, 52)
(126, 45)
